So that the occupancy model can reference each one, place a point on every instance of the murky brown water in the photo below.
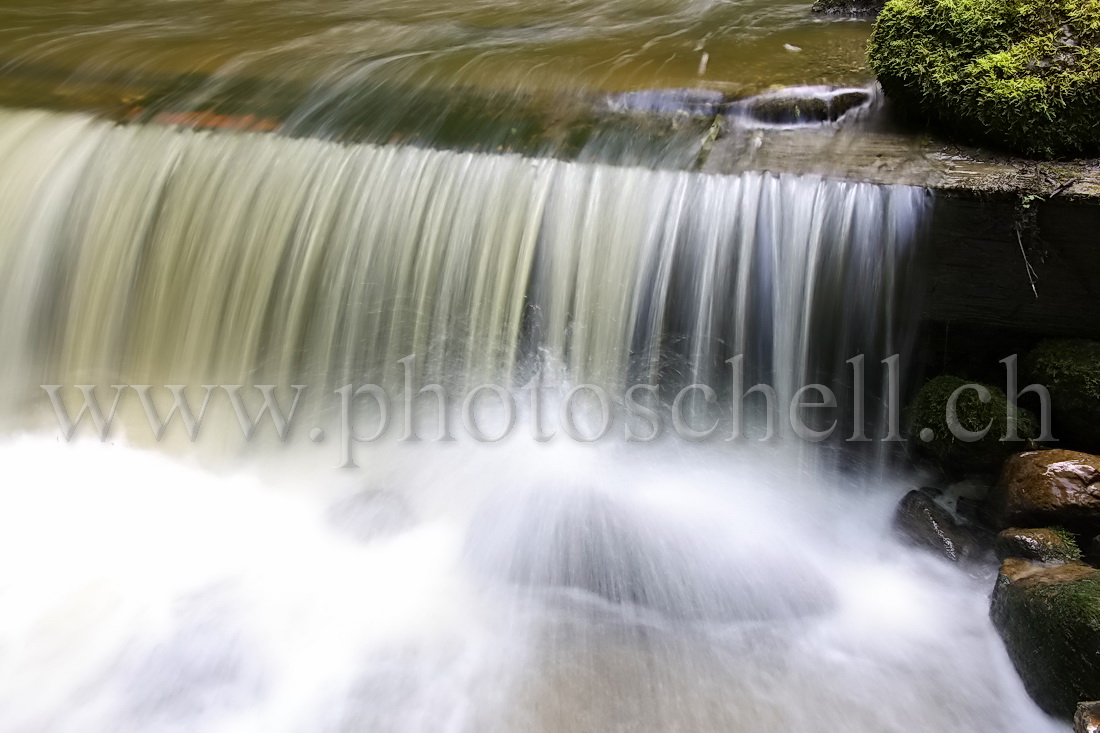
(99, 53)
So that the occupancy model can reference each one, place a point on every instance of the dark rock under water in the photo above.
(692, 102)
(924, 523)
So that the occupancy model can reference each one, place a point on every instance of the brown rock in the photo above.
(1039, 488)
(1087, 719)
(1044, 544)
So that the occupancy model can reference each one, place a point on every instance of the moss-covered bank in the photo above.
(1019, 74)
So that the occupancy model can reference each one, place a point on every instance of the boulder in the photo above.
(1087, 718)
(931, 435)
(1046, 544)
(924, 523)
(1024, 76)
(1070, 369)
(802, 105)
(1049, 619)
(848, 7)
(689, 102)
(1049, 487)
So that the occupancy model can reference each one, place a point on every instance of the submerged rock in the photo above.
(691, 102)
(848, 7)
(925, 523)
(1050, 487)
(1046, 544)
(931, 433)
(1087, 718)
(1049, 618)
(802, 105)
(1070, 370)
(1024, 76)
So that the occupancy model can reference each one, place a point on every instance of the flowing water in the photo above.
(556, 579)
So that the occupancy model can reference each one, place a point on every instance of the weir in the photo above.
(262, 259)
(334, 195)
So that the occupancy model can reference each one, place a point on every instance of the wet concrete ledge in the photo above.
(889, 157)
(1013, 244)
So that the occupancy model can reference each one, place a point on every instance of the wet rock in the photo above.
(691, 102)
(1049, 619)
(848, 7)
(1050, 487)
(1087, 718)
(924, 523)
(1070, 370)
(1046, 544)
(931, 433)
(803, 105)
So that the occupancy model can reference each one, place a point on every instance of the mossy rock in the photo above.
(1049, 618)
(804, 106)
(1070, 369)
(1045, 544)
(932, 436)
(1018, 74)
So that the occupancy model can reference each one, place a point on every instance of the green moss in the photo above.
(1023, 74)
(929, 413)
(1046, 544)
(1069, 551)
(1052, 632)
(1070, 369)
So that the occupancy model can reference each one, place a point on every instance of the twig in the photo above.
(1032, 276)
(1063, 187)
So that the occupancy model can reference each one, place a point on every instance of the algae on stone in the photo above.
(1020, 74)
(1044, 544)
(1049, 618)
(931, 434)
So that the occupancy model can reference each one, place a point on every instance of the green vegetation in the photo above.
(1068, 550)
(1070, 369)
(931, 434)
(1022, 74)
(1046, 544)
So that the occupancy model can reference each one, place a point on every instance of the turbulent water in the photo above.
(537, 585)
(499, 201)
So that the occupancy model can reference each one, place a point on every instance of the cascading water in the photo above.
(456, 585)
(255, 258)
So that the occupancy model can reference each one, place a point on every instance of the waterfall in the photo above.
(152, 255)
(454, 585)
